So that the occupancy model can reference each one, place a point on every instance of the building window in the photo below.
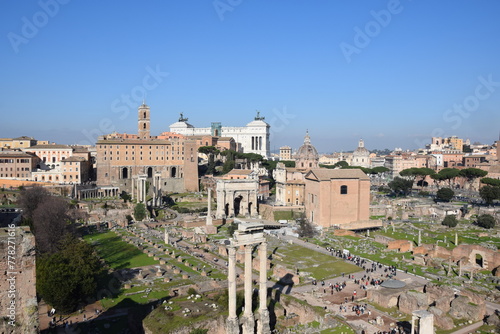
(343, 190)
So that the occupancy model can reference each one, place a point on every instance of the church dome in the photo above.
(361, 151)
(307, 151)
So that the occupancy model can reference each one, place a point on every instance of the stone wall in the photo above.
(18, 284)
(401, 245)
(491, 258)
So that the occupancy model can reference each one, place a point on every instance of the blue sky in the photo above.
(394, 73)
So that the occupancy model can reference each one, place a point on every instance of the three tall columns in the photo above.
(248, 321)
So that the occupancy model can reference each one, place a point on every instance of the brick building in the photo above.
(337, 197)
(17, 164)
(167, 162)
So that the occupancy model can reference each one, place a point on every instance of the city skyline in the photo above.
(394, 73)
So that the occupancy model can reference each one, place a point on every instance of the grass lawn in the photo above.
(321, 266)
(117, 253)
(159, 290)
(342, 329)
(283, 215)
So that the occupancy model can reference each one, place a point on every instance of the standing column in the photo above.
(249, 322)
(231, 203)
(220, 204)
(232, 319)
(263, 323)
(209, 208)
(154, 190)
(132, 187)
(412, 324)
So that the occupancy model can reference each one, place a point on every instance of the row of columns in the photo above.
(98, 193)
(248, 317)
(257, 143)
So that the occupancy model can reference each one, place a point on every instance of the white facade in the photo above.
(252, 138)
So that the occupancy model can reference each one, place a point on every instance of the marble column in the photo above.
(249, 321)
(209, 207)
(232, 319)
(221, 203)
(230, 200)
(419, 237)
(263, 323)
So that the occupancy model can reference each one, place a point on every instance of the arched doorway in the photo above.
(479, 260)
(150, 171)
(250, 208)
(226, 209)
(173, 172)
(237, 202)
(125, 173)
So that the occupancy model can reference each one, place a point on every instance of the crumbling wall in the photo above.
(18, 285)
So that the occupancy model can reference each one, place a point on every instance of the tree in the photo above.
(450, 221)
(231, 228)
(445, 194)
(68, 277)
(340, 164)
(490, 181)
(449, 174)
(437, 179)
(409, 174)
(306, 229)
(51, 223)
(400, 186)
(210, 151)
(486, 221)
(489, 194)
(29, 199)
(423, 173)
(470, 174)
(380, 170)
(140, 211)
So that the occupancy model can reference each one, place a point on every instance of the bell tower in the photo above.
(143, 122)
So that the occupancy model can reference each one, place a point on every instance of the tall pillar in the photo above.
(220, 204)
(232, 319)
(230, 199)
(263, 323)
(249, 321)
(209, 211)
(419, 237)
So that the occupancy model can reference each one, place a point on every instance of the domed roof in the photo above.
(307, 151)
(361, 150)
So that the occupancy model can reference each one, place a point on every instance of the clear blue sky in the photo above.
(386, 71)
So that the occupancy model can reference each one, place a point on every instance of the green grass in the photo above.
(159, 290)
(321, 266)
(343, 328)
(283, 215)
(117, 253)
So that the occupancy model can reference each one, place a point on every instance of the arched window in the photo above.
(144, 126)
(144, 115)
(150, 171)
(173, 172)
(343, 190)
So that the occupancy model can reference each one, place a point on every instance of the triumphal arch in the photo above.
(237, 197)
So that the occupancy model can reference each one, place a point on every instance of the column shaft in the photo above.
(231, 277)
(263, 276)
(248, 280)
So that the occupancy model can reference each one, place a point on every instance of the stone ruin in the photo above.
(444, 302)
(19, 281)
(483, 257)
